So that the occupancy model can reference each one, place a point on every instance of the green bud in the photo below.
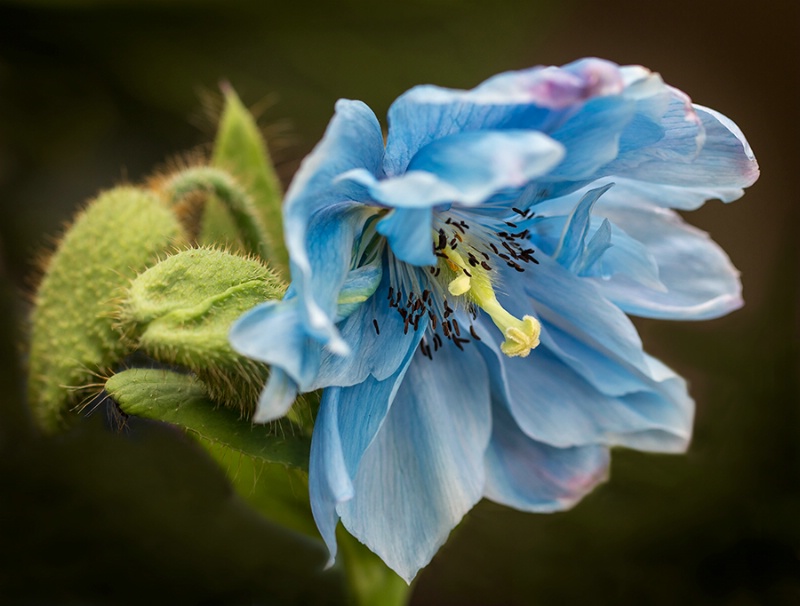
(73, 341)
(180, 311)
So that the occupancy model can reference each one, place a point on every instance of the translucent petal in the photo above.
(346, 424)
(533, 476)
(538, 99)
(424, 470)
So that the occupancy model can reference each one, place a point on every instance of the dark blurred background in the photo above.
(94, 93)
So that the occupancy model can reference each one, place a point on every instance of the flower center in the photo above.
(474, 282)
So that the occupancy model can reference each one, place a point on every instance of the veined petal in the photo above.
(348, 419)
(377, 352)
(722, 160)
(699, 279)
(532, 476)
(466, 168)
(538, 99)
(554, 404)
(424, 470)
(578, 310)
(318, 214)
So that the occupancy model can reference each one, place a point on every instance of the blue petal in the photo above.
(610, 252)
(360, 285)
(701, 149)
(377, 352)
(533, 476)
(582, 315)
(572, 244)
(273, 333)
(277, 397)
(346, 424)
(408, 231)
(554, 404)
(699, 279)
(479, 164)
(319, 223)
(466, 168)
(424, 470)
(536, 99)
(328, 256)
(592, 137)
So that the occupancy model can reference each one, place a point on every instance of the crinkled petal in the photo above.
(532, 476)
(538, 99)
(318, 220)
(466, 168)
(348, 419)
(424, 470)
(700, 282)
(377, 352)
(723, 159)
(554, 404)
(273, 333)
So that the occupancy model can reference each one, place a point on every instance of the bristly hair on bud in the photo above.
(72, 335)
(179, 312)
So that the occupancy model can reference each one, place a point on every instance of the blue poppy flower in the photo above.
(460, 292)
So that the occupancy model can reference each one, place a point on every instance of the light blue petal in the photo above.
(413, 189)
(277, 397)
(538, 99)
(466, 168)
(377, 352)
(346, 424)
(610, 252)
(408, 231)
(592, 137)
(700, 282)
(273, 333)
(358, 287)
(424, 470)
(576, 307)
(479, 164)
(319, 224)
(597, 246)
(554, 404)
(329, 481)
(572, 245)
(719, 158)
(532, 476)
(332, 234)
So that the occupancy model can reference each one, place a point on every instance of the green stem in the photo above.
(369, 580)
(214, 181)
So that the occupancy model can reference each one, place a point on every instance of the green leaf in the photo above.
(182, 400)
(241, 150)
(73, 337)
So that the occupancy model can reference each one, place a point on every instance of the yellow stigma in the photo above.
(521, 336)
